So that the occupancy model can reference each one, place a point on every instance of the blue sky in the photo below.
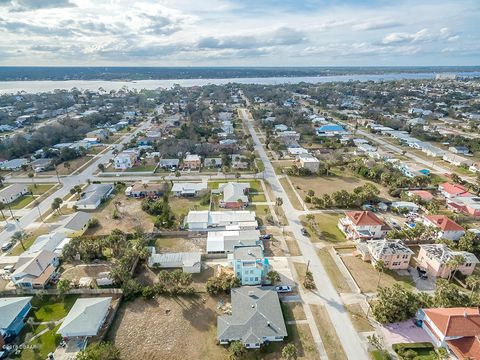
(239, 33)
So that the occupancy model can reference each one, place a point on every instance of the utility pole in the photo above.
(56, 172)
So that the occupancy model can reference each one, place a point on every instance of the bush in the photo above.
(222, 283)
(94, 222)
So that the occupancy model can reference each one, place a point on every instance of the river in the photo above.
(8, 87)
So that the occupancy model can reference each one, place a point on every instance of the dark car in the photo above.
(304, 232)
(7, 246)
(422, 273)
(266, 237)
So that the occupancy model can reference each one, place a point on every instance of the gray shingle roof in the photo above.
(9, 309)
(256, 313)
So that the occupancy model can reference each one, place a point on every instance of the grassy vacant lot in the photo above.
(359, 319)
(292, 245)
(140, 168)
(291, 194)
(366, 276)
(324, 227)
(177, 328)
(333, 272)
(330, 340)
(74, 165)
(330, 184)
(179, 244)
(280, 165)
(258, 198)
(129, 212)
(40, 189)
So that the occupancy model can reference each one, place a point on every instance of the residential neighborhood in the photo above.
(240, 221)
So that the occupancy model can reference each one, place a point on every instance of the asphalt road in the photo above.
(68, 182)
(327, 295)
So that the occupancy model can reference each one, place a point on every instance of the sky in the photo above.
(239, 32)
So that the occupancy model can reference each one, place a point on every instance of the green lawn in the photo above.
(28, 241)
(41, 346)
(325, 228)
(21, 202)
(52, 308)
(258, 198)
(255, 185)
(141, 168)
(40, 189)
(260, 165)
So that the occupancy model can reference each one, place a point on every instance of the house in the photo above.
(393, 253)
(362, 225)
(169, 164)
(448, 229)
(234, 195)
(34, 271)
(309, 162)
(434, 259)
(192, 162)
(13, 165)
(239, 162)
(147, 189)
(189, 189)
(204, 220)
(189, 262)
(93, 196)
(453, 190)
(99, 134)
(54, 242)
(224, 242)
(40, 165)
(256, 318)
(76, 224)
(467, 205)
(13, 315)
(422, 194)
(281, 128)
(125, 160)
(330, 130)
(405, 206)
(457, 160)
(12, 193)
(85, 318)
(249, 264)
(456, 329)
(213, 163)
(459, 150)
(289, 137)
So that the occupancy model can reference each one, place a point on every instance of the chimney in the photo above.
(465, 315)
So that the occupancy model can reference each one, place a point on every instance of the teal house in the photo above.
(13, 314)
(249, 264)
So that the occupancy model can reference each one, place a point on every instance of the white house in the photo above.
(12, 193)
(125, 160)
(204, 220)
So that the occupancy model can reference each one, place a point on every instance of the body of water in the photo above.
(9, 87)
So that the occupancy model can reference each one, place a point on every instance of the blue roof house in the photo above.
(249, 264)
(13, 312)
(330, 130)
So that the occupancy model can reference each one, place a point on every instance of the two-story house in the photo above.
(125, 160)
(456, 329)
(249, 264)
(35, 271)
(434, 258)
(13, 315)
(362, 225)
(393, 253)
(192, 162)
(447, 228)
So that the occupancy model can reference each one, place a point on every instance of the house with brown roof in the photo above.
(456, 329)
(362, 225)
(422, 194)
(447, 228)
(434, 258)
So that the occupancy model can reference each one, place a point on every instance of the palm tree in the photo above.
(2, 207)
(453, 264)
(19, 236)
(473, 282)
(31, 175)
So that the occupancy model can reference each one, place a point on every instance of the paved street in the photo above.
(326, 293)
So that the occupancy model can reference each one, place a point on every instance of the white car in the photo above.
(283, 289)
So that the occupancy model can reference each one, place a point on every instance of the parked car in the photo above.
(7, 246)
(304, 232)
(422, 273)
(283, 289)
(266, 237)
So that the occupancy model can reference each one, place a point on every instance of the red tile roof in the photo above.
(444, 223)
(465, 348)
(460, 321)
(364, 218)
(453, 189)
(424, 195)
